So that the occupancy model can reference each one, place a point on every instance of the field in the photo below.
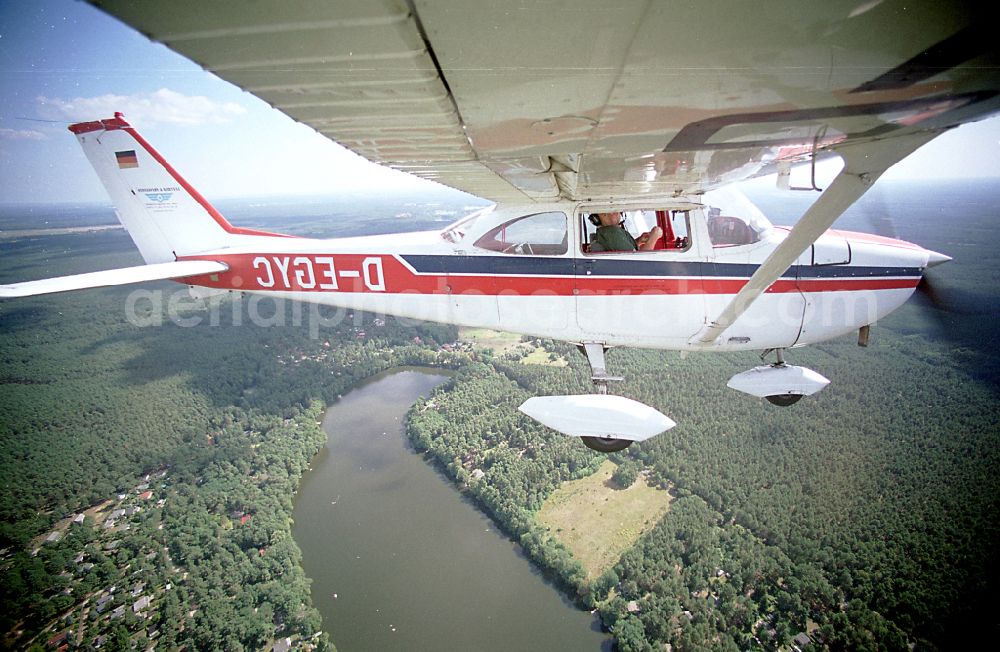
(485, 338)
(598, 521)
(543, 357)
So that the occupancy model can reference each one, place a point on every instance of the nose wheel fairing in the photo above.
(781, 384)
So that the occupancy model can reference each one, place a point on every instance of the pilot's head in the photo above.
(612, 218)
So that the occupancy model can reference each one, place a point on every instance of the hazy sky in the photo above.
(64, 61)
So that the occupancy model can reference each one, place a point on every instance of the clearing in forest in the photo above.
(543, 357)
(598, 521)
(484, 338)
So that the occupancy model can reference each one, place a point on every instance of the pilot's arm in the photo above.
(647, 241)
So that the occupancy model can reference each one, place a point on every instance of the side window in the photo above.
(662, 229)
(542, 234)
(729, 231)
(732, 219)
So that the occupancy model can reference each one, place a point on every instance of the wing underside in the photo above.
(593, 99)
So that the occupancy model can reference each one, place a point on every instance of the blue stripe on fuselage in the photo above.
(549, 266)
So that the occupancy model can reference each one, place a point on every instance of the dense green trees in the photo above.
(92, 403)
(783, 517)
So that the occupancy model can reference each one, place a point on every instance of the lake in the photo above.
(400, 560)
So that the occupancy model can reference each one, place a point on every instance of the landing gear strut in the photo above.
(605, 422)
(599, 376)
(781, 400)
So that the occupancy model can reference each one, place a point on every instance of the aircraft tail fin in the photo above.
(165, 216)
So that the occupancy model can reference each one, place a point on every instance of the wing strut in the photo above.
(863, 165)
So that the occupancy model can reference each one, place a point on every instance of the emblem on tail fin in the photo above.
(127, 159)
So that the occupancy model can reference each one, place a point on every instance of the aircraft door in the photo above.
(641, 298)
(738, 248)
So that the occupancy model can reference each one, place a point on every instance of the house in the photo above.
(53, 537)
(478, 474)
(633, 607)
(118, 612)
(146, 495)
(800, 641)
(141, 604)
(78, 519)
(102, 602)
(138, 588)
(59, 639)
(284, 645)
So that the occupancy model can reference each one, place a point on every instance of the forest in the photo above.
(784, 520)
(863, 519)
(180, 447)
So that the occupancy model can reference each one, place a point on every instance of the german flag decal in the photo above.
(127, 159)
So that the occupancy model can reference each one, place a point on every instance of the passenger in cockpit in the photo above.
(612, 236)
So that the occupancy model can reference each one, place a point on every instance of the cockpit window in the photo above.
(456, 232)
(732, 219)
(541, 234)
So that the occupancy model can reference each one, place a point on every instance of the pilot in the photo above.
(612, 236)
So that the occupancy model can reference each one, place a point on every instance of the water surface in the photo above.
(399, 560)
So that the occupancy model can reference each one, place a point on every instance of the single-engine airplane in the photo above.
(563, 114)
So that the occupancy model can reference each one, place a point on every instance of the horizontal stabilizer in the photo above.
(597, 415)
(156, 272)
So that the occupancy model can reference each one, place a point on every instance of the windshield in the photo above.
(733, 219)
(456, 232)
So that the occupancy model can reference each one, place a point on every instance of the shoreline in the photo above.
(15, 234)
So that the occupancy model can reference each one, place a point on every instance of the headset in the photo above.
(596, 221)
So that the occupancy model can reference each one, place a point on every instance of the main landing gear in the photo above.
(781, 384)
(605, 422)
(599, 376)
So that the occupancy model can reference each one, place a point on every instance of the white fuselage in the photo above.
(657, 299)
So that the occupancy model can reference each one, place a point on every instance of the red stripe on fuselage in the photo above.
(387, 274)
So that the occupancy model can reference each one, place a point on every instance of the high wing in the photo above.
(592, 99)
